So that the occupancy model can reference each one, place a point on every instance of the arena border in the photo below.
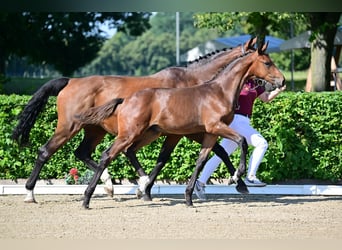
(162, 189)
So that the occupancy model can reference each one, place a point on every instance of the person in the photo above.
(241, 124)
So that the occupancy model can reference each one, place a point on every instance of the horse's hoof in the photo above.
(109, 191)
(146, 198)
(85, 206)
(30, 201)
(29, 198)
(189, 202)
(242, 189)
(138, 193)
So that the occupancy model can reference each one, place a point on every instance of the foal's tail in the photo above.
(95, 115)
(31, 111)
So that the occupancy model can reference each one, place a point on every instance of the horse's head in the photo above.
(263, 68)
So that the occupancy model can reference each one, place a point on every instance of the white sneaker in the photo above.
(200, 191)
(254, 182)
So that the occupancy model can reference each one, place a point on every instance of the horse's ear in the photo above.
(253, 41)
(250, 44)
(262, 48)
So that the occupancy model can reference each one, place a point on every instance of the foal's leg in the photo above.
(220, 152)
(93, 135)
(107, 156)
(242, 142)
(148, 137)
(170, 143)
(221, 129)
(207, 144)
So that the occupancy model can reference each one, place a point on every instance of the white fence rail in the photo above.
(178, 189)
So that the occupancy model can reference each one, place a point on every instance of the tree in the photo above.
(323, 25)
(255, 23)
(108, 60)
(65, 40)
(150, 52)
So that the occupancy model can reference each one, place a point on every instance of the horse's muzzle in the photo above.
(282, 83)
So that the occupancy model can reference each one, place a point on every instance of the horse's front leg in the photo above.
(221, 152)
(169, 144)
(207, 144)
(241, 141)
(221, 129)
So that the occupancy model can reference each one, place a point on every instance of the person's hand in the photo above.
(282, 88)
(278, 90)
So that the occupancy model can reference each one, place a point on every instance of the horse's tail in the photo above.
(97, 114)
(36, 104)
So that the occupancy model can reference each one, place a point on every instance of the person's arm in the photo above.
(269, 96)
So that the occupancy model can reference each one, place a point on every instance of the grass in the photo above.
(27, 86)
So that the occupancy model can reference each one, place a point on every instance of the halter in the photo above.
(264, 83)
(260, 82)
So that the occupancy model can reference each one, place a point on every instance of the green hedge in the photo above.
(303, 130)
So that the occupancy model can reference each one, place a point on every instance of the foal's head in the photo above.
(263, 68)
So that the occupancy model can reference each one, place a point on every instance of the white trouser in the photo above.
(241, 124)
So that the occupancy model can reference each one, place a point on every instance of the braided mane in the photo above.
(206, 58)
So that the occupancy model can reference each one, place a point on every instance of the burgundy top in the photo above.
(250, 91)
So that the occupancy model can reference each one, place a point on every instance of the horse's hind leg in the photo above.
(93, 135)
(107, 156)
(143, 177)
(131, 155)
(44, 154)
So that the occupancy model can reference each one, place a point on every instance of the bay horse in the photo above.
(76, 95)
(206, 108)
